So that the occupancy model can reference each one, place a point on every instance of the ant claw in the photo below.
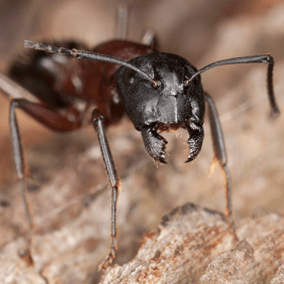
(155, 144)
(274, 113)
(25, 255)
(108, 260)
(162, 158)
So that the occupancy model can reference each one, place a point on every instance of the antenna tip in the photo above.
(29, 44)
(42, 46)
(275, 112)
(34, 45)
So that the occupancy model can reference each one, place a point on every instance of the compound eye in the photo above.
(128, 76)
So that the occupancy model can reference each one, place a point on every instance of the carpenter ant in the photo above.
(158, 91)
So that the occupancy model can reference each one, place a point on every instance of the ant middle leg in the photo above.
(23, 99)
(149, 38)
(20, 170)
(122, 21)
(122, 26)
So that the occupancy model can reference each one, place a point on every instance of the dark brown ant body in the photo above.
(158, 91)
(74, 86)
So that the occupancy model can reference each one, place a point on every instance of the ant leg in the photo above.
(274, 107)
(149, 38)
(14, 91)
(221, 156)
(23, 99)
(114, 181)
(20, 169)
(122, 21)
(28, 102)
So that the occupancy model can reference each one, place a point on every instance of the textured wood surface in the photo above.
(191, 245)
(195, 245)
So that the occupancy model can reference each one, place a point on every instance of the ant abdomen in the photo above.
(45, 75)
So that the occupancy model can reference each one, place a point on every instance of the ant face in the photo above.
(169, 105)
(172, 102)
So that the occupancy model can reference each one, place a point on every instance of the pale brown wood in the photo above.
(194, 244)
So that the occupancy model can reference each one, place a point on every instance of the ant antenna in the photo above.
(244, 60)
(82, 54)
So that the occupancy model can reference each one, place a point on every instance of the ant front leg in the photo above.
(98, 123)
(221, 156)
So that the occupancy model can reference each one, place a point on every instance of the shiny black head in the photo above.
(172, 103)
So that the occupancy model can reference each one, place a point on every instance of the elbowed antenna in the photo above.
(82, 54)
(267, 58)
(236, 60)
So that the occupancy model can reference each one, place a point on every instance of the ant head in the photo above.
(167, 104)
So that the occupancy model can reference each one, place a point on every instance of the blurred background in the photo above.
(201, 31)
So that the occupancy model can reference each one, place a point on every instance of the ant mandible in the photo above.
(158, 91)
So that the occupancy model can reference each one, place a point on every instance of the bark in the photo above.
(195, 245)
